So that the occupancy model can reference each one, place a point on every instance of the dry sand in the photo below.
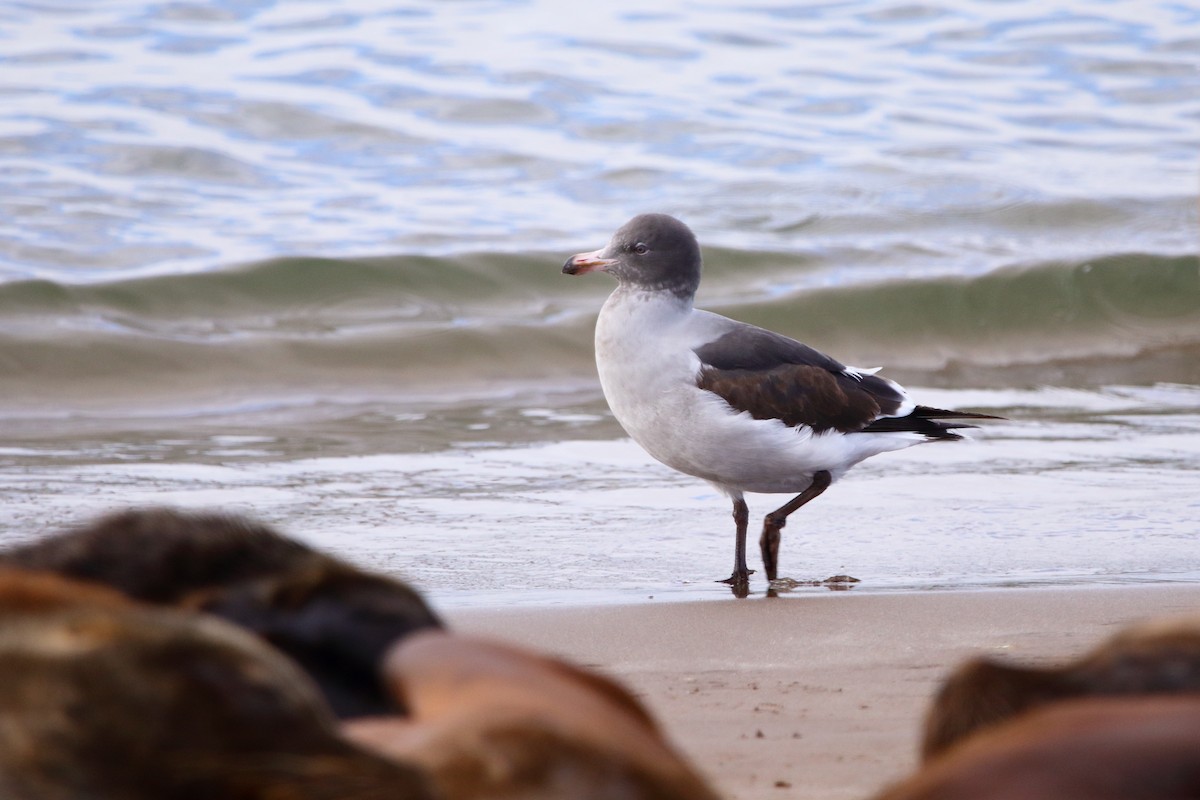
(817, 696)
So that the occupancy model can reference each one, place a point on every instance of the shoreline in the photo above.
(821, 696)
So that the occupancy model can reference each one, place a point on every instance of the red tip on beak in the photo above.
(583, 263)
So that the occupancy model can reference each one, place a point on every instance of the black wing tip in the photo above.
(929, 412)
(926, 427)
(926, 421)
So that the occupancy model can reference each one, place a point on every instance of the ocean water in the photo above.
(302, 260)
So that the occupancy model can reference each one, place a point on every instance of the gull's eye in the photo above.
(641, 249)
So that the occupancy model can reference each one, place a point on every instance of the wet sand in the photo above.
(816, 696)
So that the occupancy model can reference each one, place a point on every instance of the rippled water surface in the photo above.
(302, 260)
(151, 136)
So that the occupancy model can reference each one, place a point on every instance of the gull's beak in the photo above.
(583, 263)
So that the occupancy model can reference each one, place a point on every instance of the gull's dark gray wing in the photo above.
(771, 376)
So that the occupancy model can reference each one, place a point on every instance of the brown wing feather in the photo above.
(796, 394)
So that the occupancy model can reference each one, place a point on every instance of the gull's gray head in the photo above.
(651, 251)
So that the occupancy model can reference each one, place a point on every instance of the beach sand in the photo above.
(816, 696)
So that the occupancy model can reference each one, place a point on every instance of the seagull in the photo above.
(744, 408)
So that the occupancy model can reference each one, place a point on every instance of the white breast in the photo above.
(643, 360)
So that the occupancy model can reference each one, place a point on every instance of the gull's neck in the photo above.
(660, 301)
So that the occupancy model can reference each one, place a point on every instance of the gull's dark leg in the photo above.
(774, 522)
(740, 579)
